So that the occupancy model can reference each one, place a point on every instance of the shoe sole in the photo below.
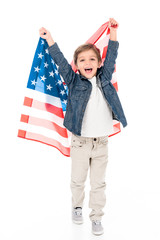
(98, 233)
(77, 222)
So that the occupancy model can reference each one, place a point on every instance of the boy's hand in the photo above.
(45, 34)
(113, 25)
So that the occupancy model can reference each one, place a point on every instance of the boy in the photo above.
(92, 104)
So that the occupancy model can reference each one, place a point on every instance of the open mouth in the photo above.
(88, 70)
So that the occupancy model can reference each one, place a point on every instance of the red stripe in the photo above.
(48, 141)
(21, 133)
(108, 31)
(116, 128)
(115, 86)
(114, 133)
(44, 123)
(29, 102)
(96, 36)
(24, 118)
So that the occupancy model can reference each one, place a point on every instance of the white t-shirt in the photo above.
(97, 120)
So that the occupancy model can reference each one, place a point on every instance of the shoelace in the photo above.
(97, 222)
(78, 212)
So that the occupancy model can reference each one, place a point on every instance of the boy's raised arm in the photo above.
(112, 51)
(113, 25)
(65, 69)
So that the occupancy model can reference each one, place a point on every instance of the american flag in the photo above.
(45, 103)
(46, 97)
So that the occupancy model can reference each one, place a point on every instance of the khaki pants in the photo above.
(89, 152)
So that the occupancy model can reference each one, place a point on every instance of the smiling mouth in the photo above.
(88, 70)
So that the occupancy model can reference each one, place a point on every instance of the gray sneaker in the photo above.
(77, 215)
(97, 228)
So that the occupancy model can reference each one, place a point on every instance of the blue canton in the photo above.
(44, 76)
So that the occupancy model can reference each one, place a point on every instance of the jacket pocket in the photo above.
(79, 91)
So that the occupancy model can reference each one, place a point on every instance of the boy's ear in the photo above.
(77, 67)
(99, 64)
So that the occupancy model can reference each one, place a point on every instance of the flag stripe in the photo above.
(44, 123)
(115, 86)
(29, 102)
(43, 115)
(43, 97)
(114, 77)
(96, 36)
(43, 131)
(116, 128)
(21, 133)
(48, 141)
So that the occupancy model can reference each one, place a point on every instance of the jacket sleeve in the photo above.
(110, 60)
(65, 69)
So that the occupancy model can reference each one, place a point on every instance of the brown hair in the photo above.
(85, 47)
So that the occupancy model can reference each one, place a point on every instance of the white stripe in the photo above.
(45, 132)
(115, 122)
(102, 42)
(42, 114)
(114, 78)
(42, 97)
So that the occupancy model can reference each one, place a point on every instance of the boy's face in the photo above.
(87, 63)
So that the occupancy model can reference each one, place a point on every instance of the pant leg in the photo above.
(80, 164)
(97, 178)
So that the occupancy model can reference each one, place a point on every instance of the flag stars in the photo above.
(56, 72)
(62, 92)
(37, 69)
(42, 42)
(51, 74)
(64, 101)
(49, 87)
(46, 50)
(46, 65)
(40, 55)
(59, 82)
(33, 82)
(43, 78)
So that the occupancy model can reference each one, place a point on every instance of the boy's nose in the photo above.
(87, 63)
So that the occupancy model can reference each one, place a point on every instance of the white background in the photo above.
(35, 198)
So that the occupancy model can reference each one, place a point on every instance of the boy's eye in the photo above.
(82, 60)
(93, 59)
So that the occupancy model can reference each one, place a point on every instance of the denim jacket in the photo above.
(80, 88)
